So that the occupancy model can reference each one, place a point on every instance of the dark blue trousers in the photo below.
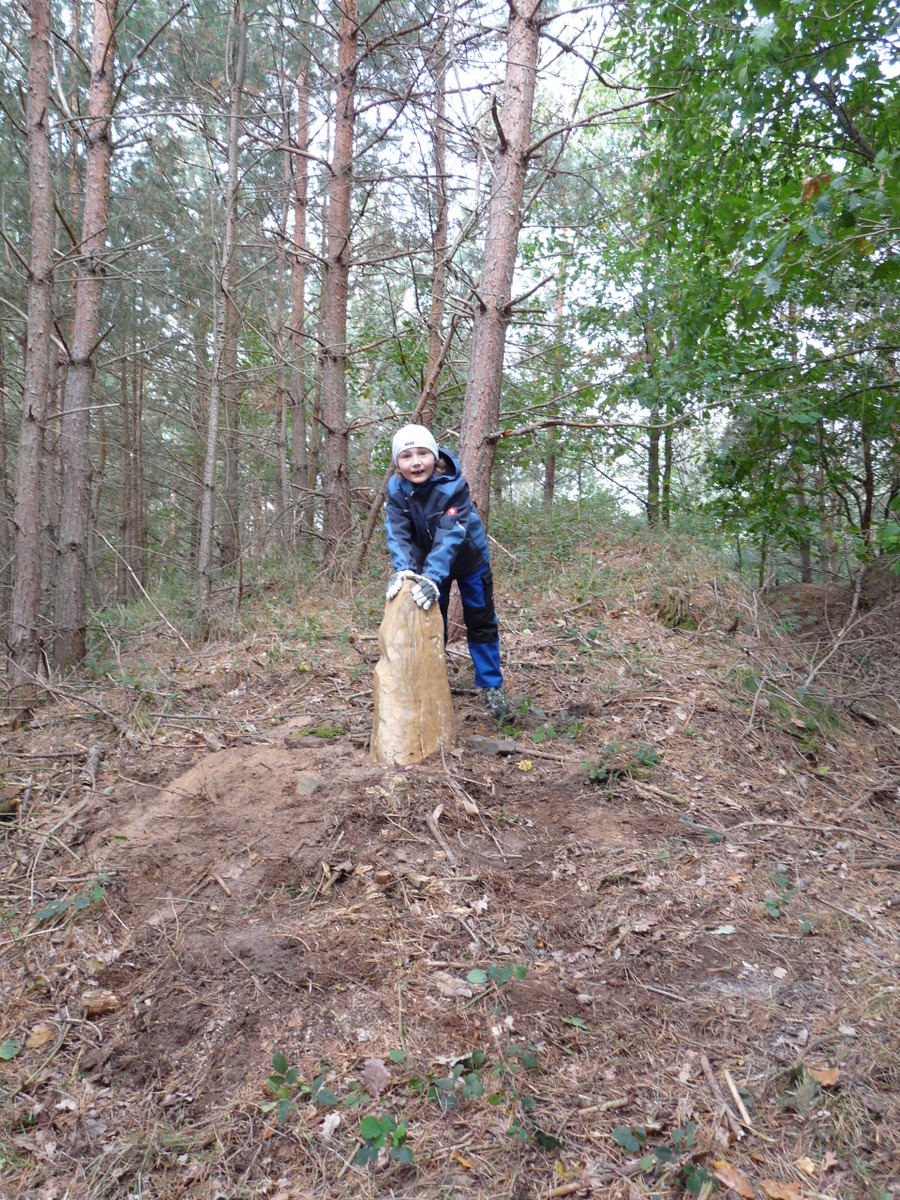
(482, 633)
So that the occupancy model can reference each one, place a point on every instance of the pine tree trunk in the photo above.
(6, 541)
(552, 439)
(299, 450)
(131, 563)
(23, 636)
(481, 410)
(335, 286)
(300, 502)
(665, 506)
(438, 65)
(225, 325)
(230, 549)
(70, 608)
(653, 469)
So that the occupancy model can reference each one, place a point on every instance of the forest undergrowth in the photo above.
(642, 941)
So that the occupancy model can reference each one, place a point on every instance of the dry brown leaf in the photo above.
(463, 1162)
(376, 1076)
(826, 1076)
(806, 1164)
(732, 1178)
(781, 1191)
(829, 1161)
(39, 1036)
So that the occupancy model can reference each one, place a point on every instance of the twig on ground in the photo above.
(441, 840)
(719, 1095)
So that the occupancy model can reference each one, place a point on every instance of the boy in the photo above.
(435, 535)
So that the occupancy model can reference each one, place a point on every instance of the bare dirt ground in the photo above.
(645, 946)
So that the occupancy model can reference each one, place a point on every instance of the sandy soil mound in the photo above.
(647, 938)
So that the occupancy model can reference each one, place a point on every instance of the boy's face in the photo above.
(416, 464)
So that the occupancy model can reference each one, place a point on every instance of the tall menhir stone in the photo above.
(414, 714)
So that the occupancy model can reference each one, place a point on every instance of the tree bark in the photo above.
(6, 540)
(653, 469)
(70, 609)
(552, 440)
(300, 502)
(223, 317)
(665, 504)
(230, 547)
(131, 572)
(481, 410)
(24, 637)
(438, 65)
(283, 519)
(335, 287)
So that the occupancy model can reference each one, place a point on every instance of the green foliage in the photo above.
(285, 1086)
(498, 976)
(9, 1049)
(92, 894)
(774, 905)
(564, 728)
(621, 761)
(380, 1132)
(670, 1159)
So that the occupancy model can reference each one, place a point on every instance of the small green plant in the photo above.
(498, 976)
(670, 1159)
(93, 893)
(285, 1086)
(774, 905)
(380, 1132)
(622, 761)
(564, 728)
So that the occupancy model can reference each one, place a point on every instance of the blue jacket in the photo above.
(433, 528)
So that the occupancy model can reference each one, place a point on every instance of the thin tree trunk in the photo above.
(438, 57)
(282, 401)
(51, 488)
(665, 503)
(868, 482)
(335, 288)
(230, 549)
(653, 469)
(804, 550)
(552, 440)
(95, 498)
(131, 563)
(493, 311)
(299, 450)
(6, 541)
(24, 638)
(70, 608)
(223, 317)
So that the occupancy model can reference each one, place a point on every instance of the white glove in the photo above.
(396, 582)
(425, 593)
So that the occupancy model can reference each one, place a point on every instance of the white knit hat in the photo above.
(413, 436)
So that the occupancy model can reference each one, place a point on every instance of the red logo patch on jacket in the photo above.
(451, 512)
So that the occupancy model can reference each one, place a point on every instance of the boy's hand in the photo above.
(425, 593)
(396, 582)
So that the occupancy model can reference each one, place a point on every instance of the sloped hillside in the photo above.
(642, 942)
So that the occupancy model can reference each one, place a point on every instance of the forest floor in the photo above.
(645, 942)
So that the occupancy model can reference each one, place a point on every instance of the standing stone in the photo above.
(414, 714)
